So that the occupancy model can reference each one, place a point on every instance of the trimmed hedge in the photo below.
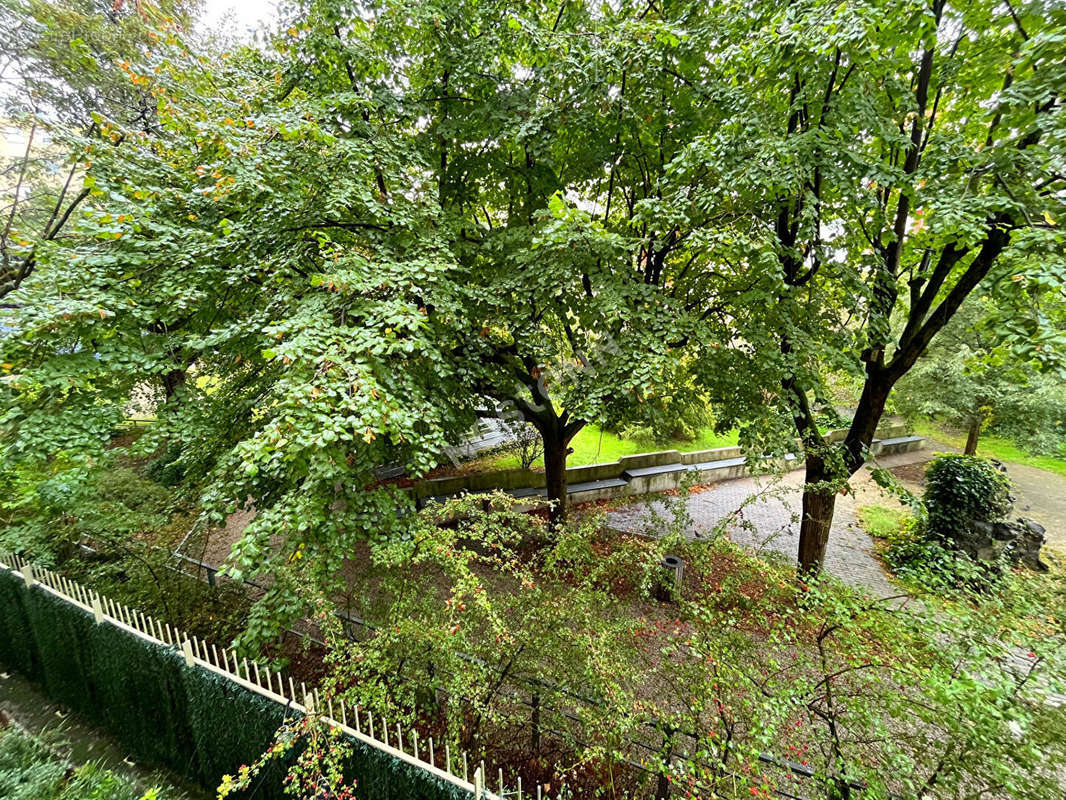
(189, 719)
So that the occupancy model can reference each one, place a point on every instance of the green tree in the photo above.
(544, 143)
(63, 73)
(971, 379)
(293, 332)
(278, 324)
(888, 163)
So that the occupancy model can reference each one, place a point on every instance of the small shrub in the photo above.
(528, 444)
(923, 549)
(961, 490)
(909, 553)
(167, 469)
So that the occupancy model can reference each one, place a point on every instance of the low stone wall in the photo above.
(698, 456)
(645, 473)
(593, 472)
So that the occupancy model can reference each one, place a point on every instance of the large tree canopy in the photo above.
(65, 67)
(887, 161)
(333, 249)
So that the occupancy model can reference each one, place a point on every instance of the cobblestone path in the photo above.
(770, 509)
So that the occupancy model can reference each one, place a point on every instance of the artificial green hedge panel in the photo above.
(16, 637)
(230, 726)
(378, 775)
(189, 719)
(61, 635)
(139, 690)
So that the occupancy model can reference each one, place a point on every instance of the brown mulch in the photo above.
(911, 473)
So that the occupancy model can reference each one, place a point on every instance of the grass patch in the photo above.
(31, 770)
(882, 522)
(992, 447)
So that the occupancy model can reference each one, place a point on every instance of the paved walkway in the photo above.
(1041, 495)
(768, 514)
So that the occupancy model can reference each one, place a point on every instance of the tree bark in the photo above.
(819, 501)
(556, 449)
(172, 381)
(555, 472)
(972, 435)
(818, 504)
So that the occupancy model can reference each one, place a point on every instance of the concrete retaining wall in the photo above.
(593, 472)
(645, 473)
(717, 454)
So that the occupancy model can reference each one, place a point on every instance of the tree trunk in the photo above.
(172, 381)
(972, 435)
(555, 453)
(818, 505)
(819, 501)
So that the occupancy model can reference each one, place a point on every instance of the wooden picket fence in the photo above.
(360, 725)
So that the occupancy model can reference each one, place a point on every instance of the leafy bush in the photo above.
(31, 770)
(925, 565)
(528, 444)
(471, 610)
(668, 419)
(167, 469)
(918, 561)
(46, 511)
(961, 490)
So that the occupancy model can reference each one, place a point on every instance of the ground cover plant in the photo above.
(550, 651)
(31, 769)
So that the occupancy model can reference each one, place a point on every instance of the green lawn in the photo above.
(882, 522)
(992, 447)
(594, 446)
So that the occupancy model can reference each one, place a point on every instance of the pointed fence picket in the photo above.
(225, 662)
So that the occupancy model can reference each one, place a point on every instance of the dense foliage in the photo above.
(547, 649)
(31, 769)
(330, 251)
(975, 379)
(962, 489)
(740, 192)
